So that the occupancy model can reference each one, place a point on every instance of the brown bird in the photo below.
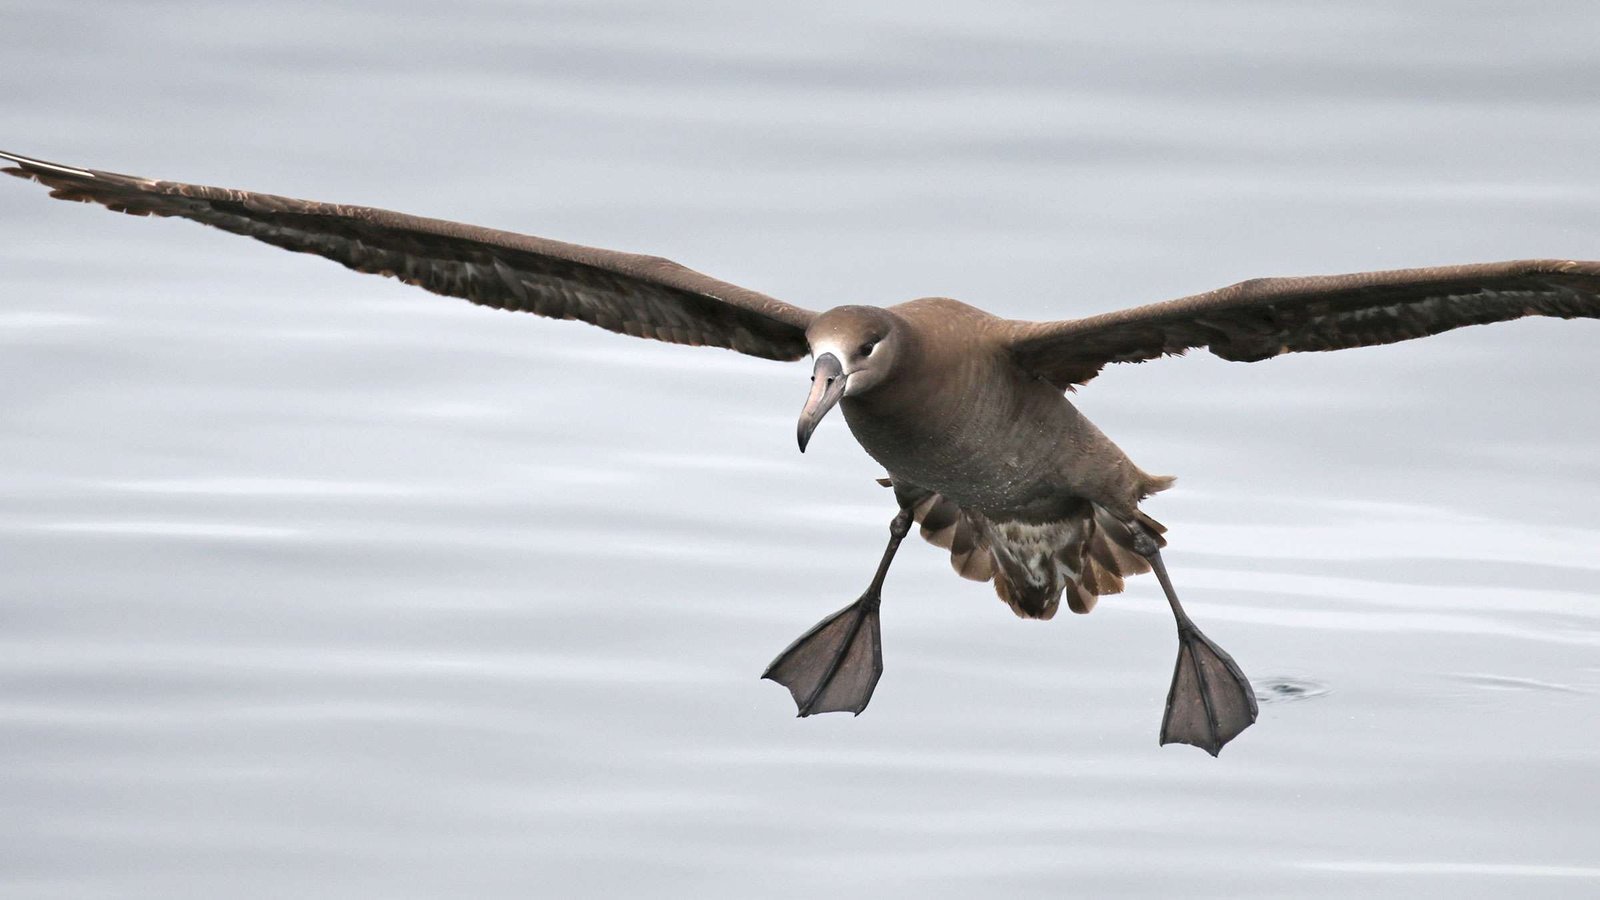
(965, 410)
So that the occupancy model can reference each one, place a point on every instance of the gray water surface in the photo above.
(313, 584)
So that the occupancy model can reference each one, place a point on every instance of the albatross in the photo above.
(966, 411)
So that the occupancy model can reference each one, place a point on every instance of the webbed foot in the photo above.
(835, 666)
(1210, 701)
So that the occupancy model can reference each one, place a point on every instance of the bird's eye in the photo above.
(866, 349)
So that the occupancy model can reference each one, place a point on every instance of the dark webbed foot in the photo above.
(1210, 701)
(834, 667)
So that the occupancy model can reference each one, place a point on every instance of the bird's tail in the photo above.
(1082, 556)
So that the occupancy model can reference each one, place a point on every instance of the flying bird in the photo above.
(965, 410)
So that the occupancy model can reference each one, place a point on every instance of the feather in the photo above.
(642, 296)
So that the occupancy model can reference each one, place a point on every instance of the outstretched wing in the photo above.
(644, 296)
(1258, 319)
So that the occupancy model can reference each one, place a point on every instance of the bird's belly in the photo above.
(1002, 468)
(1031, 461)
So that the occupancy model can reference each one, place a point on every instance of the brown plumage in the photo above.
(644, 296)
(1264, 317)
(964, 409)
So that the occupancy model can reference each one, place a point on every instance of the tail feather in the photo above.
(944, 524)
(1083, 556)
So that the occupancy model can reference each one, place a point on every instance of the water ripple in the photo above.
(1288, 690)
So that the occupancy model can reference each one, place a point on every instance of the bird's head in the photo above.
(855, 348)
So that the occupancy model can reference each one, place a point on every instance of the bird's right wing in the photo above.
(644, 296)
(1259, 319)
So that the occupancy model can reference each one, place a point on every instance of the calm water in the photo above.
(314, 584)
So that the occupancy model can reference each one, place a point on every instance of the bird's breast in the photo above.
(983, 444)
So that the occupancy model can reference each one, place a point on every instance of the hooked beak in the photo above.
(827, 386)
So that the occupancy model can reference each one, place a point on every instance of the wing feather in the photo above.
(643, 296)
(1264, 317)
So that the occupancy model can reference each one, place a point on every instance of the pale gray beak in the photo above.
(827, 386)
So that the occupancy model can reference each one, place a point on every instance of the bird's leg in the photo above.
(1210, 701)
(835, 666)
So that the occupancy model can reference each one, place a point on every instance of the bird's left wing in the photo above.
(1255, 320)
(644, 296)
